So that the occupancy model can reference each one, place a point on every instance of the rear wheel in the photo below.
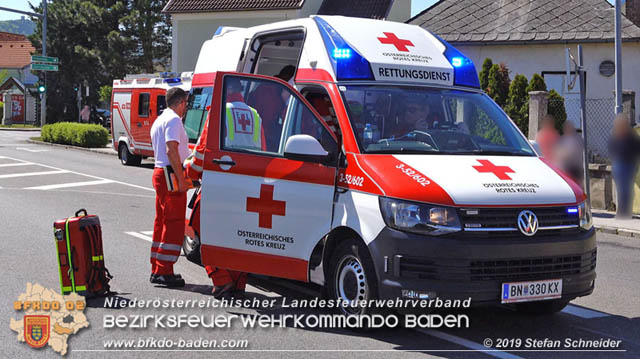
(127, 158)
(352, 277)
(542, 308)
(191, 249)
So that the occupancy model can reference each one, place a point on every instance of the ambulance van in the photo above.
(385, 171)
(136, 101)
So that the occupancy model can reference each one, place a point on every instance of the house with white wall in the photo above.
(195, 21)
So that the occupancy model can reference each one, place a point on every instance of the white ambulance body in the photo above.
(136, 101)
(425, 189)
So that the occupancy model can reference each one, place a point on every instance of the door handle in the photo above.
(139, 124)
(224, 162)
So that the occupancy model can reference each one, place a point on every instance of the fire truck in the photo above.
(136, 102)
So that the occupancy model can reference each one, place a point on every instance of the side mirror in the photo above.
(305, 148)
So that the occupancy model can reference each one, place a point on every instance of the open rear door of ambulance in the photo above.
(268, 180)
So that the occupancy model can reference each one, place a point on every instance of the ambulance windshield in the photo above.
(388, 119)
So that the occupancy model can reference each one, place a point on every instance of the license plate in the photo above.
(531, 291)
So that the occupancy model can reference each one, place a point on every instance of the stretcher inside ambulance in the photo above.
(386, 173)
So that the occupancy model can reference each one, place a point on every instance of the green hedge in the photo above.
(76, 134)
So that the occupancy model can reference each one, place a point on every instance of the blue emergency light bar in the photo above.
(572, 210)
(464, 71)
(347, 63)
(173, 80)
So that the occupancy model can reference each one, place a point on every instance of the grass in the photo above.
(19, 126)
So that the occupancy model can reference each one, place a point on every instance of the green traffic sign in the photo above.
(38, 58)
(44, 67)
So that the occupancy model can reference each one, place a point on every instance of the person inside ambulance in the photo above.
(270, 102)
(244, 125)
(416, 116)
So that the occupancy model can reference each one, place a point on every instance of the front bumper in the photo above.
(459, 267)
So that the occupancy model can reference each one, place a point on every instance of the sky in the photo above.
(416, 7)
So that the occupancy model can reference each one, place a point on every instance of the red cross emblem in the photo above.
(392, 39)
(243, 121)
(265, 206)
(499, 171)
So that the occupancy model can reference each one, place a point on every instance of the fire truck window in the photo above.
(143, 104)
(161, 104)
(197, 110)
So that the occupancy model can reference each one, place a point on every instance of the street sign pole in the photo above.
(43, 103)
(583, 117)
(618, 46)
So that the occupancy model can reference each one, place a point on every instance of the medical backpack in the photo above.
(80, 257)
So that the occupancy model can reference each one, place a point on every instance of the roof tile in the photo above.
(178, 6)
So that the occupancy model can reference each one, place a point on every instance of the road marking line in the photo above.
(583, 312)
(30, 150)
(33, 174)
(16, 164)
(467, 344)
(148, 233)
(67, 185)
(84, 174)
(141, 236)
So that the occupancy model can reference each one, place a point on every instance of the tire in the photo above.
(191, 249)
(352, 277)
(126, 157)
(547, 307)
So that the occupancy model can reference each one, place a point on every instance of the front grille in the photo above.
(516, 269)
(483, 220)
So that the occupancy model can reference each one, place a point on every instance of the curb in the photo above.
(618, 231)
(19, 129)
(110, 152)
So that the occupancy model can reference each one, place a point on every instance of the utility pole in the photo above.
(618, 41)
(43, 16)
(583, 118)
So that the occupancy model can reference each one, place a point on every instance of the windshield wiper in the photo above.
(403, 150)
(491, 152)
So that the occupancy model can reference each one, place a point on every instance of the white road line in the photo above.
(67, 185)
(468, 344)
(30, 150)
(83, 174)
(17, 164)
(583, 312)
(12, 175)
(141, 236)
(148, 233)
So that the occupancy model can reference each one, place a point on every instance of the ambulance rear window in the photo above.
(395, 119)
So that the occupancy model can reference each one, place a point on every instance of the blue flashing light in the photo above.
(572, 210)
(464, 71)
(347, 63)
(172, 81)
(341, 53)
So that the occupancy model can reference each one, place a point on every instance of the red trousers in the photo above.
(219, 276)
(168, 226)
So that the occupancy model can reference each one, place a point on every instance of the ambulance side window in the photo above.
(197, 110)
(301, 121)
(143, 104)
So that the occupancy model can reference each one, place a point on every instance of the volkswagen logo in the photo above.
(527, 223)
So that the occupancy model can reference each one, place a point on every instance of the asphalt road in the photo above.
(63, 180)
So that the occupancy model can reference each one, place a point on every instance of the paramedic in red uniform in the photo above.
(170, 148)
(226, 282)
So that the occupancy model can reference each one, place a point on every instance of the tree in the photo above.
(517, 99)
(536, 84)
(498, 85)
(105, 93)
(4, 74)
(556, 109)
(484, 73)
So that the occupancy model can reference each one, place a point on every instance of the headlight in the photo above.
(584, 212)
(419, 217)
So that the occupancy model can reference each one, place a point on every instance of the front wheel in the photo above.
(352, 278)
(127, 158)
(547, 307)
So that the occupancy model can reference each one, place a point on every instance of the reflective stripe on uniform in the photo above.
(97, 258)
(230, 128)
(196, 168)
(164, 257)
(256, 125)
(198, 155)
(166, 246)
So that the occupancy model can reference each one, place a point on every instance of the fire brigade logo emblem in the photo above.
(36, 330)
(400, 44)
(266, 206)
(243, 120)
(527, 223)
(499, 171)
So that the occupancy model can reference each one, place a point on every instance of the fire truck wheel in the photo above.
(546, 307)
(191, 249)
(352, 277)
(127, 158)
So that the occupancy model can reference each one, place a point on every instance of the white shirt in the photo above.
(168, 127)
